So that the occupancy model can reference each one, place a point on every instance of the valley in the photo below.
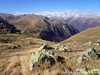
(24, 35)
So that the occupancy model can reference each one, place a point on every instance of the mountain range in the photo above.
(24, 35)
(78, 20)
(40, 26)
(50, 26)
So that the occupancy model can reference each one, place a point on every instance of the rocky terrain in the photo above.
(16, 50)
(21, 47)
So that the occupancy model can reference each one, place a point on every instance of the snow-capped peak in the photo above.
(66, 14)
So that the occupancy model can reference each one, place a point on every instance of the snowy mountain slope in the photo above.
(80, 21)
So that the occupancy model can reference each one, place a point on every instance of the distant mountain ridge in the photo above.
(41, 27)
(79, 21)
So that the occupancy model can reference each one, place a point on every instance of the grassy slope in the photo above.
(16, 61)
(91, 34)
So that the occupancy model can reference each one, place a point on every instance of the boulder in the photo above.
(6, 40)
(44, 46)
(91, 53)
(40, 58)
(60, 59)
(31, 43)
(88, 54)
(44, 55)
(56, 47)
(88, 43)
(94, 71)
(64, 48)
(98, 41)
(80, 59)
(15, 47)
(83, 71)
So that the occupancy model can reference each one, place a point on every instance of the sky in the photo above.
(33, 6)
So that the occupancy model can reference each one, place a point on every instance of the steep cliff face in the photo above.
(51, 30)
(79, 20)
(42, 27)
(5, 27)
(57, 33)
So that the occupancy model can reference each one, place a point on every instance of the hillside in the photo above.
(5, 27)
(79, 21)
(91, 34)
(41, 27)
(16, 50)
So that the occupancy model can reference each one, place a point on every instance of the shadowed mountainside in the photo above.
(79, 21)
(5, 27)
(41, 27)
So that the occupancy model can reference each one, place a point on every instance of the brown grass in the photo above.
(91, 34)
(16, 61)
(17, 65)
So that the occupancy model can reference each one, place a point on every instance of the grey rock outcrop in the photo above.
(63, 48)
(88, 54)
(44, 55)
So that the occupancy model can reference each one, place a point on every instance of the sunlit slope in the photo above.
(91, 34)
